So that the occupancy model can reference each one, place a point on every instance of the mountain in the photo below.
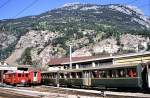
(92, 29)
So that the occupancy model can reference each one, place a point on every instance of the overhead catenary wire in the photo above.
(20, 12)
(27, 7)
(5, 3)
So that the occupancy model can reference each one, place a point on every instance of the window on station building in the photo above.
(85, 65)
(103, 62)
(73, 66)
(66, 66)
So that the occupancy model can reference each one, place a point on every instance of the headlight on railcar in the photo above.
(23, 81)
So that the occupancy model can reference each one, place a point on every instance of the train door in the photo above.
(86, 78)
(145, 79)
(148, 75)
(35, 76)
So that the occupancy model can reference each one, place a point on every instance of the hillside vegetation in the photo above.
(92, 30)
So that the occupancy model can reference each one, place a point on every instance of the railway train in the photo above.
(21, 77)
(111, 76)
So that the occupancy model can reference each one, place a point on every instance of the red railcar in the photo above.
(22, 77)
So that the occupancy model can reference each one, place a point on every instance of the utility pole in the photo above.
(70, 66)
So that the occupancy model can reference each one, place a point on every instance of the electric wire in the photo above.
(24, 9)
(5, 3)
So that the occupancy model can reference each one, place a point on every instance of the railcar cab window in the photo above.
(19, 75)
(35, 73)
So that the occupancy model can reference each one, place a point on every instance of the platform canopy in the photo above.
(8, 68)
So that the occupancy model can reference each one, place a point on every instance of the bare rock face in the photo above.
(6, 40)
(127, 42)
(85, 51)
(134, 42)
(107, 45)
(37, 40)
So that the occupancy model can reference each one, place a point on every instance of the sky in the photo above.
(19, 8)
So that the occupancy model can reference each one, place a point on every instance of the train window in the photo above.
(109, 74)
(73, 75)
(131, 72)
(65, 75)
(35, 73)
(79, 74)
(95, 74)
(19, 75)
(103, 74)
(114, 74)
(86, 74)
(47, 76)
(100, 73)
(121, 73)
(9, 75)
(26, 75)
(23, 75)
(61, 75)
(53, 75)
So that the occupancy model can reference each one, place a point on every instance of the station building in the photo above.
(97, 61)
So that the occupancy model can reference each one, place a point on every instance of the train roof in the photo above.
(101, 67)
(112, 66)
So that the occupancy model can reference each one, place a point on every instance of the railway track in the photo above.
(5, 93)
(59, 92)
(90, 93)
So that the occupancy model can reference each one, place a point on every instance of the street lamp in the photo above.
(70, 65)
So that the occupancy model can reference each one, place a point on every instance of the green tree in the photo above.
(27, 57)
